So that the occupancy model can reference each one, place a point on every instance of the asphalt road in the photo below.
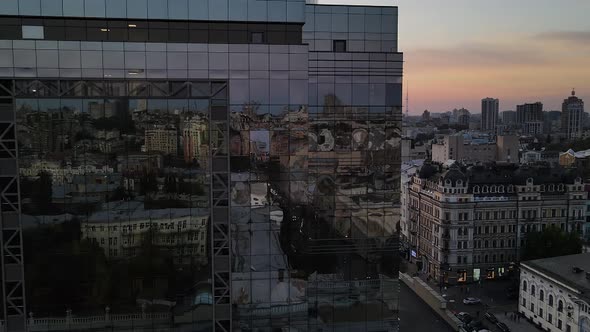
(416, 316)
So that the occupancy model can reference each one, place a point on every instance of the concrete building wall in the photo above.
(507, 148)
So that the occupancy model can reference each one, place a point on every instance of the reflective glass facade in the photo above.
(241, 184)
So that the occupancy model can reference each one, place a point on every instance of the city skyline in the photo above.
(524, 53)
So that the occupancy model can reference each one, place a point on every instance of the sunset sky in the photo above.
(460, 51)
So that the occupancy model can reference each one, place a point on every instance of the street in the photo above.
(493, 295)
(416, 315)
(494, 300)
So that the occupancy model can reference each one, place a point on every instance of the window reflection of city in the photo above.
(324, 180)
(115, 202)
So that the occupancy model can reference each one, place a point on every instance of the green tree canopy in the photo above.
(551, 242)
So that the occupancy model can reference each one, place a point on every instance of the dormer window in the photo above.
(485, 189)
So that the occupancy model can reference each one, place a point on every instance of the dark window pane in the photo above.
(95, 33)
(218, 36)
(339, 46)
(276, 37)
(158, 35)
(10, 21)
(198, 36)
(177, 35)
(293, 37)
(55, 33)
(257, 37)
(238, 37)
(75, 33)
(118, 34)
(138, 34)
(10, 32)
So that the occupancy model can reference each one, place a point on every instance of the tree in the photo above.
(551, 242)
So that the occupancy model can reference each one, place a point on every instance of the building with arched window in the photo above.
(554, 293)
(469, 223)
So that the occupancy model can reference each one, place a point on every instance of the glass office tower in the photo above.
(199, 165)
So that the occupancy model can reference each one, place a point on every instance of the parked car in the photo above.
(471, 300)
(464, 317)
(502, 327)
(475, 325)
(490, 316)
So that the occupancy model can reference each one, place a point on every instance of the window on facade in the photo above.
(339, 46)
(559, 324)
(560, 306)
(541, 295)
(524, 285)
(533, 290)
(257, 37)
(32, 32)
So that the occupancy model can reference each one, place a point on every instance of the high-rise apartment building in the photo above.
(469, 223)
(530, 118)
(489, 114)
(572, 117)
(199, 165)
(509, 118)
(530, 112)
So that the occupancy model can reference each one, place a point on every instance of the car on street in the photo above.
(475, 325)
(490, 316)
(471, 300)
(464, 317)
(502, 327)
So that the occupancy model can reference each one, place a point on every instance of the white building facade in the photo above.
(554, 293)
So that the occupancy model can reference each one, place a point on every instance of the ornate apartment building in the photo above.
(465, 224)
